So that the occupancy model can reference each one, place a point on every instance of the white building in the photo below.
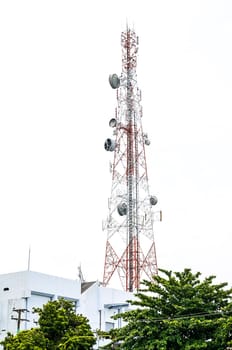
(20, 292)
(99, 304)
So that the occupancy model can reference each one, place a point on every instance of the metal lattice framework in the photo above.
(130, 246)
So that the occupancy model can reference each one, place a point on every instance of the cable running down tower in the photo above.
(130, 245)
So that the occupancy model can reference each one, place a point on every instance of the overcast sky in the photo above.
(55, 105)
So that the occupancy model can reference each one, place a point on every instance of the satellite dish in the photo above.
(153, 200)
(112, 123)
(114, 81)
(109, 145)
(122, 209)
(146, 139)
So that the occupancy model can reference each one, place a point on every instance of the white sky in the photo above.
(55, 104)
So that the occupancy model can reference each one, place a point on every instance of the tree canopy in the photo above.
(177, 310)
(58, 328)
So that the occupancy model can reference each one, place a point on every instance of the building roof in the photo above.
(25, 283)
(86, 285)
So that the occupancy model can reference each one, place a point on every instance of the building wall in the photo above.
(26, 290)
(99, 304)
(22, 291)
(89, 305)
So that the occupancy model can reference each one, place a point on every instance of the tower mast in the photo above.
(130, 245)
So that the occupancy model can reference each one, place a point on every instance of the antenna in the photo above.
(80, 274)
(29, 259)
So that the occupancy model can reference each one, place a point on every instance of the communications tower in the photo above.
(130, 246)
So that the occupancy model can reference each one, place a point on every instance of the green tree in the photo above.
(25, 340)
(58, 328)
(177, 311)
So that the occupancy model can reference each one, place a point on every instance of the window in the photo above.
(109, 326)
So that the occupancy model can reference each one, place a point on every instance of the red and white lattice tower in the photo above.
(130, 246)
